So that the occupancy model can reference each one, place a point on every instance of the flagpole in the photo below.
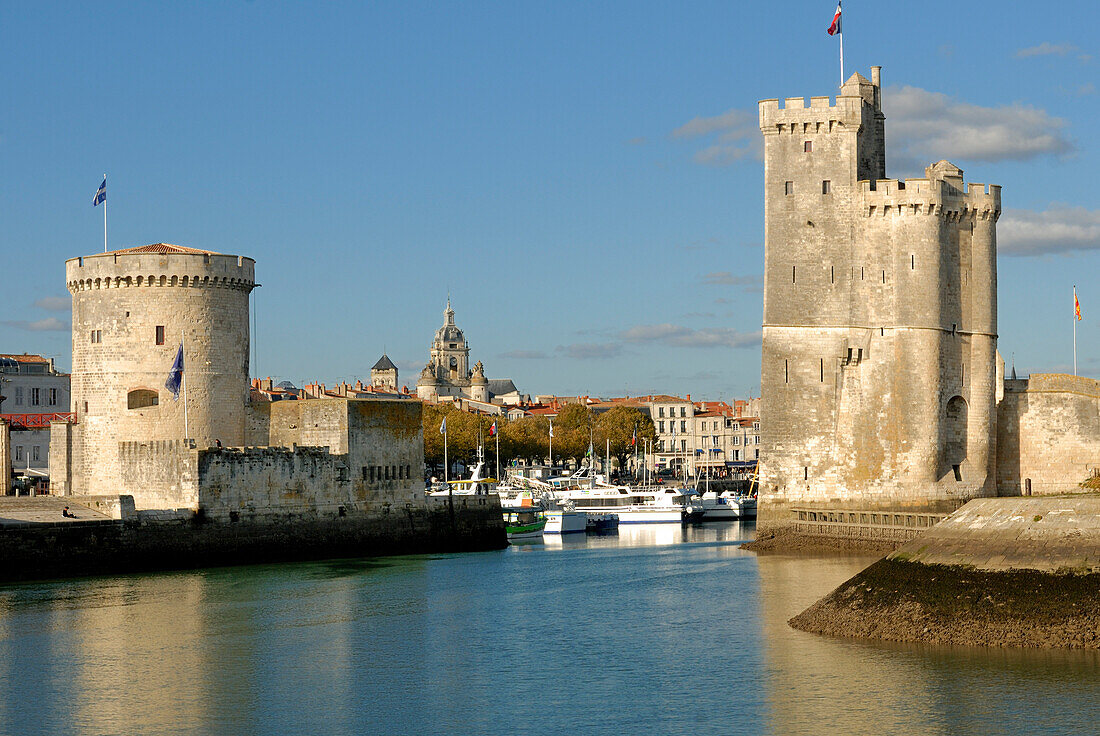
(183, 374)
(105, 222)
(1075, 329)
(446, 465)
(497, 435)
(841, 34)
(551, 445)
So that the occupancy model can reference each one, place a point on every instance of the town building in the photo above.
(32, 394)
(448, 376)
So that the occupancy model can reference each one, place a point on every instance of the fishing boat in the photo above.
(524, 523)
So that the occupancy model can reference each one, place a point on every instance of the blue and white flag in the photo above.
(175, 376)
(101, 193)
(443, 427)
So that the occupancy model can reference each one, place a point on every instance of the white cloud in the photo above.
(923, 127)
(1059, 229)
(688, 337)
(1046, 48)
(50, 324)
(54, 303)
(591, 350)
(734, 135)
(524, 355)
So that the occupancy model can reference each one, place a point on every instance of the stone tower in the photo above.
(131, 310)
(879, 357)
(384, 374)
(450, 351)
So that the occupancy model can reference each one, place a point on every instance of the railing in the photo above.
(885, 525)
(37, 421)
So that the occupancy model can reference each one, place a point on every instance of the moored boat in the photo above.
(524, 523)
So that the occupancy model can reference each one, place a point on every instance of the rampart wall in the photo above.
(1048, 434)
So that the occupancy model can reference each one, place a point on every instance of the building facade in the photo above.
(34, 392)
(879, 363)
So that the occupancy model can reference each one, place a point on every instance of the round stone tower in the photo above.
(132, 310)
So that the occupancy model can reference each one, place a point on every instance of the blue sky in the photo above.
(582, 178)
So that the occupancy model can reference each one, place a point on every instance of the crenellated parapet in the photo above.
(160, 265)
(923, 197)
(822, 116)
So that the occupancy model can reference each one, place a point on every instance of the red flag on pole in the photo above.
(1076, 305)
(834, 28)
(493, 429)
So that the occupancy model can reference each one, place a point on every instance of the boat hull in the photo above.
(565, 522)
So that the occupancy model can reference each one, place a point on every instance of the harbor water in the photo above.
(657, 630)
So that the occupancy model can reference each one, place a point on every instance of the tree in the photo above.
(572, 431)
(618, 425)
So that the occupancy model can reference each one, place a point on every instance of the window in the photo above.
(19, 396)
(97, 337)
(683, 413)
(160, 334)
(786, 372)
(788, 187)
(53, 397)
(794, 274)
(756, 426)
(737, 439)
(826, 187)
(822, 370)
(683, 445)
(808, 147)
(35, 451)
(140, 398)
(35, 397)
(660, 411)
(736, 455)
(683, 427)
(660, 426)
(757, 455)
(912, 262)
(714, 440)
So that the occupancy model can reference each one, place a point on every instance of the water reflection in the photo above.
(858, 687)
(661, 629)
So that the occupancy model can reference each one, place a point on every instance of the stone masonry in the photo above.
(879, 366)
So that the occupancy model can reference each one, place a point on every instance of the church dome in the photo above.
(449, 334)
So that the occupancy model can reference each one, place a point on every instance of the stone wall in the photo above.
(5, 457)
(105, 547)
(1048, 434)
(159, 474)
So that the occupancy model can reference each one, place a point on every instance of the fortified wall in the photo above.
(879, 364)
(211, 453)
(1048, 434)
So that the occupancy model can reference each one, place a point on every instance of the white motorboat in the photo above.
(478, 484)
(727, 506)
(654, 505)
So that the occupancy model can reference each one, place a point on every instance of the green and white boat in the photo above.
(524, 523)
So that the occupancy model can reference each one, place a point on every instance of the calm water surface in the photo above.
(660, 630)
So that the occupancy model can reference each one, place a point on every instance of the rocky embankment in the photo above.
(898, 600)
(997, 572)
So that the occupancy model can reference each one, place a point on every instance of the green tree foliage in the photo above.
(617, 425)
(572, 432)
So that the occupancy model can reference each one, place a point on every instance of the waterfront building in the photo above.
(34, 394)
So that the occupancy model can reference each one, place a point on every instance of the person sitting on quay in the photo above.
(67, 514)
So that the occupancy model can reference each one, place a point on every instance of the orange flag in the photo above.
(1076, 305)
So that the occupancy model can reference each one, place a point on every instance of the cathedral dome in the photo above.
(449, 335)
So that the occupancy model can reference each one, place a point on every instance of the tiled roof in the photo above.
(163, 248)
(25, 358)
(384, 364)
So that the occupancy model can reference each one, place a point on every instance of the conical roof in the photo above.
(384, 364)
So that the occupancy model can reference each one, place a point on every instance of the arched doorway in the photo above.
(954, 435)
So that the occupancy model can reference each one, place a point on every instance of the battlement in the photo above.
(929, 196)
(122, 269)
(823, 114)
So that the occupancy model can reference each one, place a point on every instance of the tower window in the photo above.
(912, 262)
(832, 274)
(140, 398)
(160, 334)
(788, 187)
(786, 372)
(884, 277)
(97, 337)
(823, 370)
(808, 147)
(793, 273)
(826, 186)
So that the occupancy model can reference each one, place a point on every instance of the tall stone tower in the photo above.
(879, 356)
(132, 309)
(384, 374)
